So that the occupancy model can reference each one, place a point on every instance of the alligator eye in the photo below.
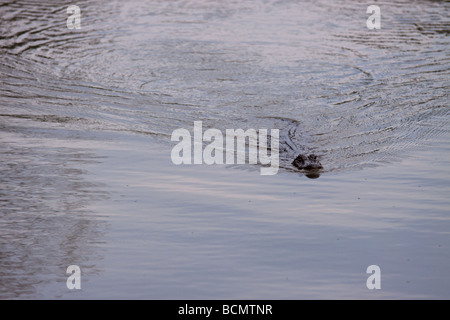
(312, 157)
(300, 157)
(299, 162)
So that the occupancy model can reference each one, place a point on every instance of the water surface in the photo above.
(86, 178)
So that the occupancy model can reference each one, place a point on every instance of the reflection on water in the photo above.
(45, 224)
(309, 68)
(136, 69)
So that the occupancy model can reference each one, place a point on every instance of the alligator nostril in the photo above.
(312, 175)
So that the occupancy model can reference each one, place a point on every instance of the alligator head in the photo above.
(310, 164)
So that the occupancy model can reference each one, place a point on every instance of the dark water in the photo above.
(87, 114)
